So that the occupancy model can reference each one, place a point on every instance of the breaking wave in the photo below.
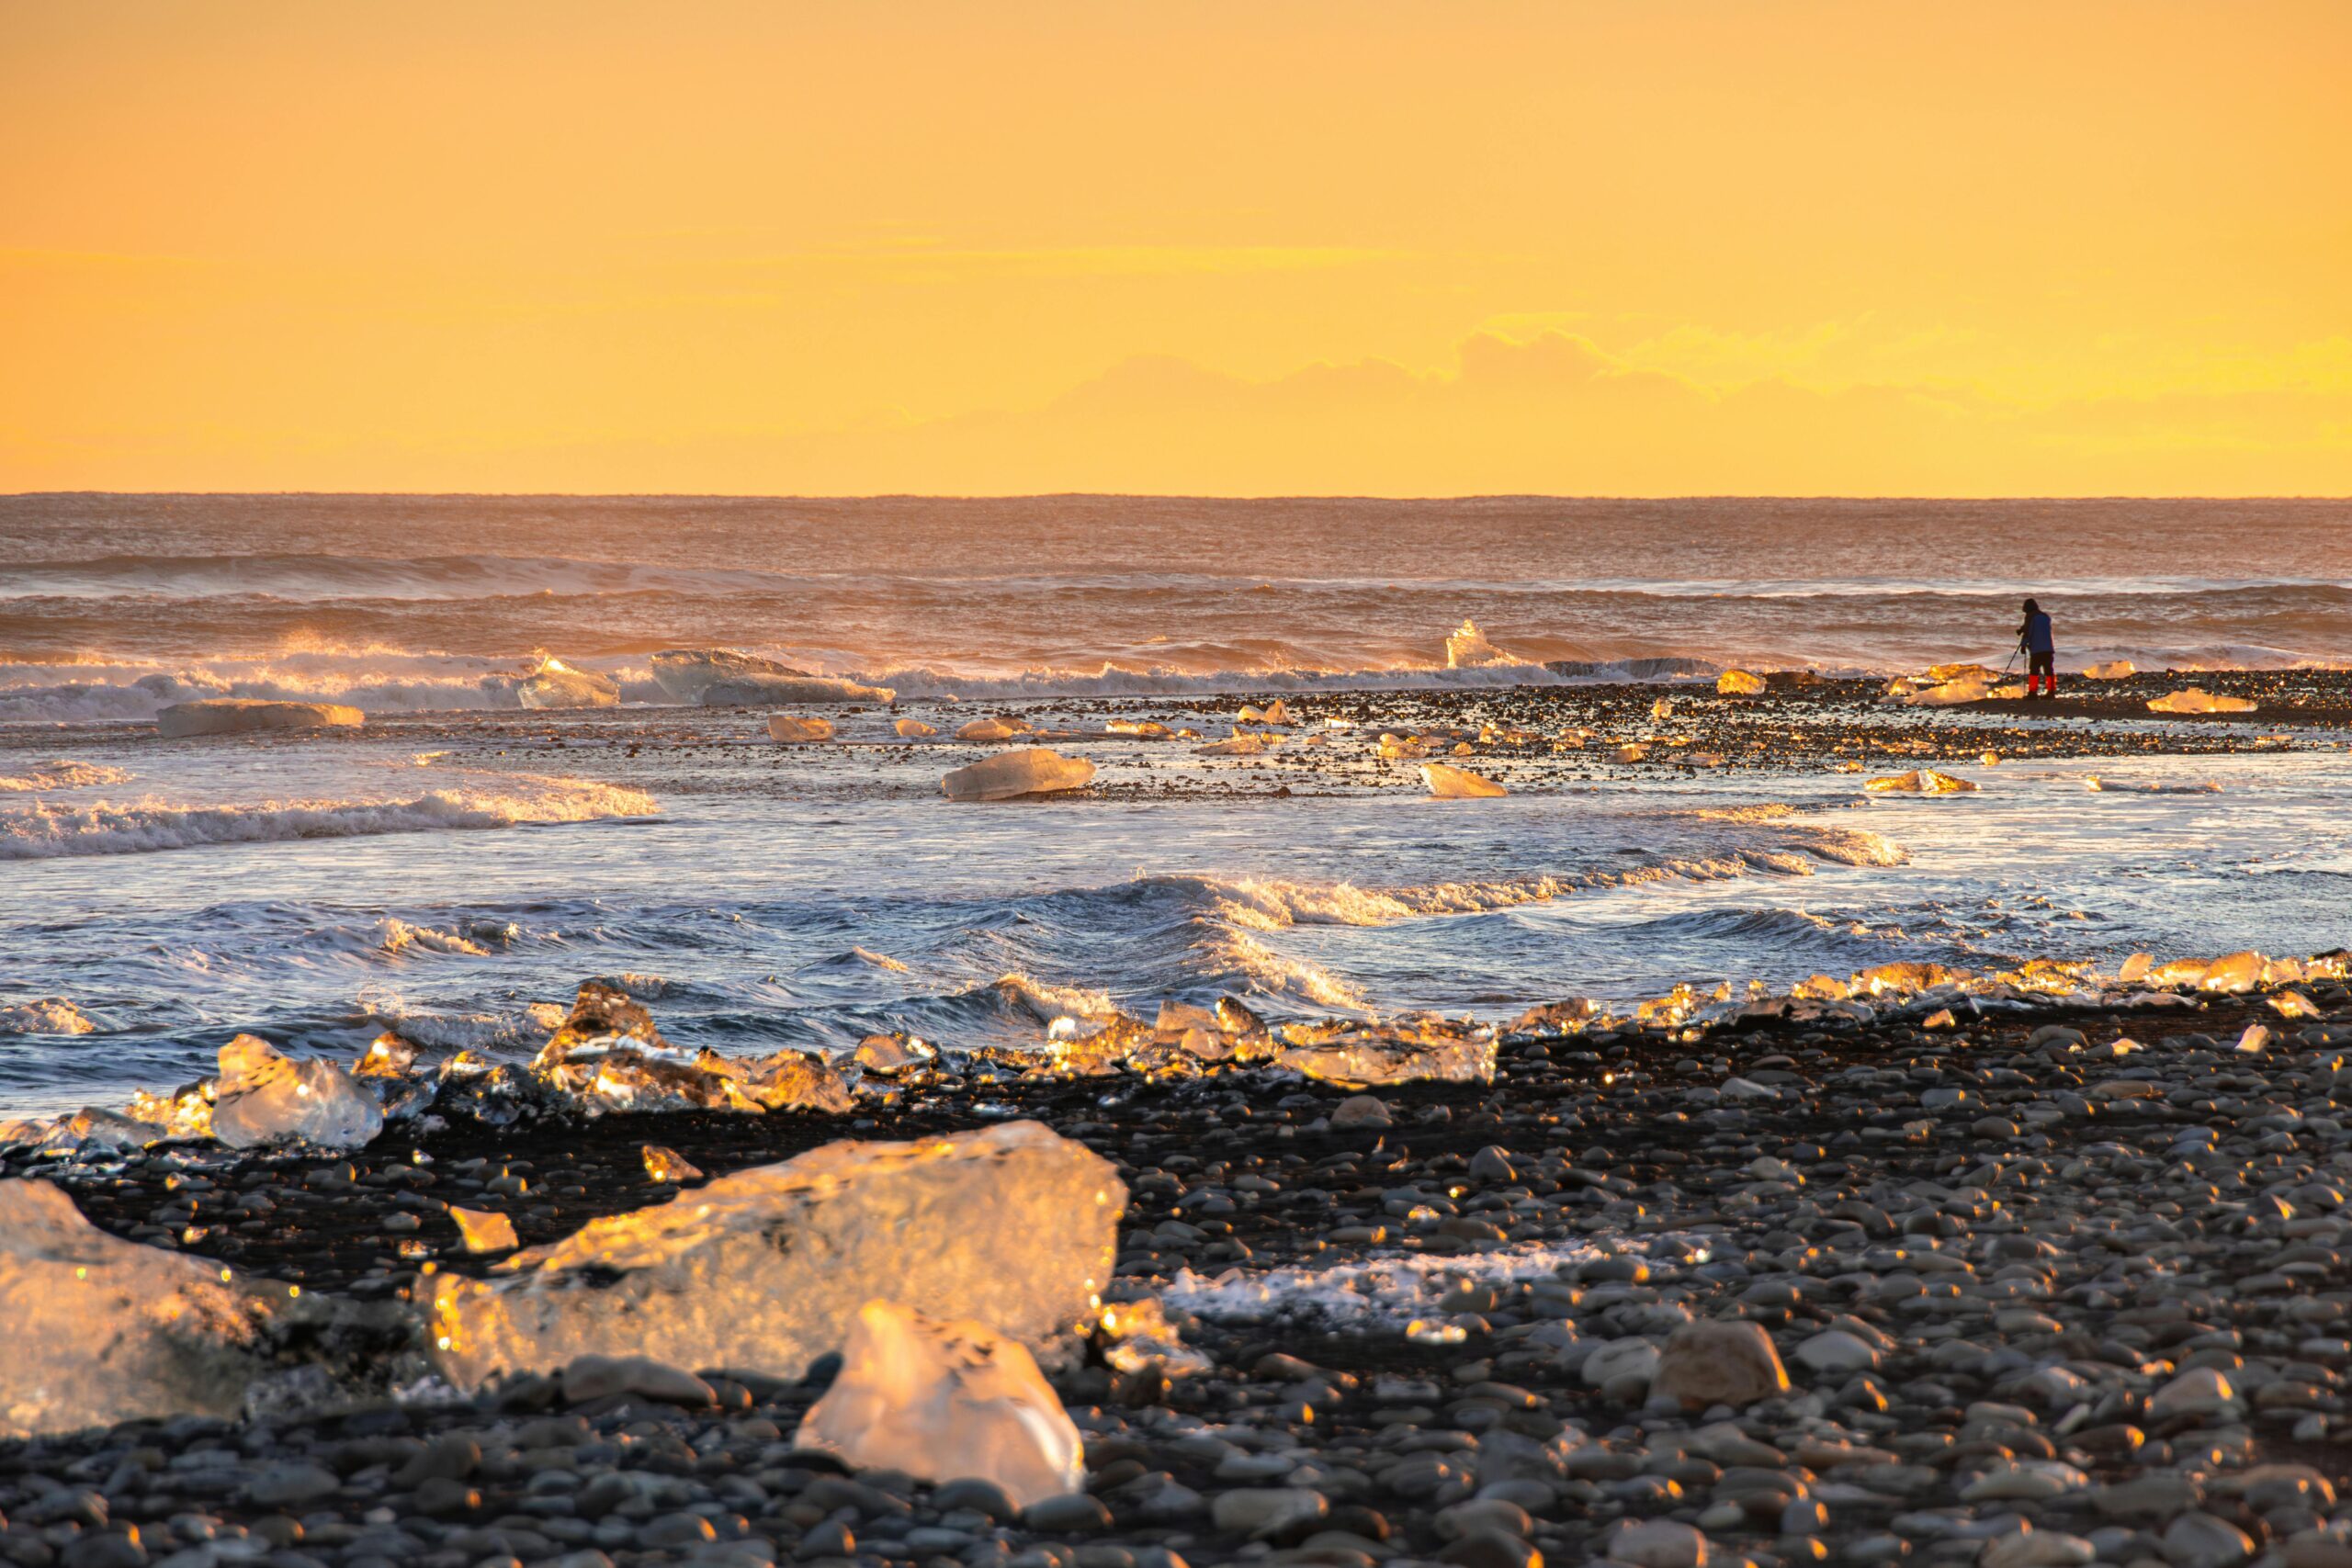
(63, 773)
(48, 831)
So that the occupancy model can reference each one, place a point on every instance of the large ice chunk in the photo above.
(238, 716)
(775, 691)
(1739, 683)
(265, 1098)
(552, 684)
(685, 673)
(2195, 699)
(1449, 782)
(1009, 775)
(944, 1401)
(767, 1268)
(103, 1330)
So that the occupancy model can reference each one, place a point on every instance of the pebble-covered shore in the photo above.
(2061, 1287)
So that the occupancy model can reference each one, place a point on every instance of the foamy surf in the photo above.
(63, 773)
(48, 831)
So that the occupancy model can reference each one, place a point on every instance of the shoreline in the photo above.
(2100, 1224)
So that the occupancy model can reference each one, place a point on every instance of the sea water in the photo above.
(458, 867)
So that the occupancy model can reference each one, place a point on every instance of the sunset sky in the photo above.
(1626, 247)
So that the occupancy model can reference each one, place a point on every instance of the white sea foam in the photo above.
(1384, 1292)
(104, 828)
(45, 1015)
(435, 1029)
(63, 773)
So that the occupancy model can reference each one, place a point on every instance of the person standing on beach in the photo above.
(2040, 650)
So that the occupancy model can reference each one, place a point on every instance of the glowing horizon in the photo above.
(1825, 248)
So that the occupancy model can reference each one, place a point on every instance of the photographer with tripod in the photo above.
(2034, 640)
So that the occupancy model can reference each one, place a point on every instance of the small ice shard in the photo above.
(185, 1113)
(1009, 775)
(609, 1056)
(888, 1055)
(386, 1056)
(665, 1164)
(1142, 729)
(1233, 745)
(2293, 1004)
(993, 729)
(1739, 683)
(777, 691)
(1392, 746)
(1468, 648)
(1367, 1055)
(767, 1268)
(1904, 783)
(1662, 710)
(1973, 687)
(1934, 783)
(1458, 783)
(266, 1098)
(944, 1401)
(686, 674)
(2253, 1039)
(1566, 1017)
(241, 716)
(795, 1081)
(2113, 670)
(2135, 968)
(793, 729)
(104, 1330)
(1633, 753)
(914, 729)
(2195, 699)
(1136, 1337)
(1990, 759)
(485, 1230)
(552, 684)
(1276, 713)
(94, 1131)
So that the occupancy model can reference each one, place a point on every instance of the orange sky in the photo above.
(1583, 247)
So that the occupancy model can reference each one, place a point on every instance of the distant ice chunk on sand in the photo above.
(2195, 699)
(1234, 745)
(993, 729)
(104, 1330)
(767, 1268)
(2113, 670)
(267, 1098)
(552, 684)
(241, 716)
(1009, 775)
(1739, 683)
(778, 691)
(943, 1401)
(793, 729)
(1920, 781)
(686, 672)
(1458, 783)
(914, 729)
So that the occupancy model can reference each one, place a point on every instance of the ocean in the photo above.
(457, 867)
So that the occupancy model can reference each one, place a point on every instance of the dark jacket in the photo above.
(2036, 633)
